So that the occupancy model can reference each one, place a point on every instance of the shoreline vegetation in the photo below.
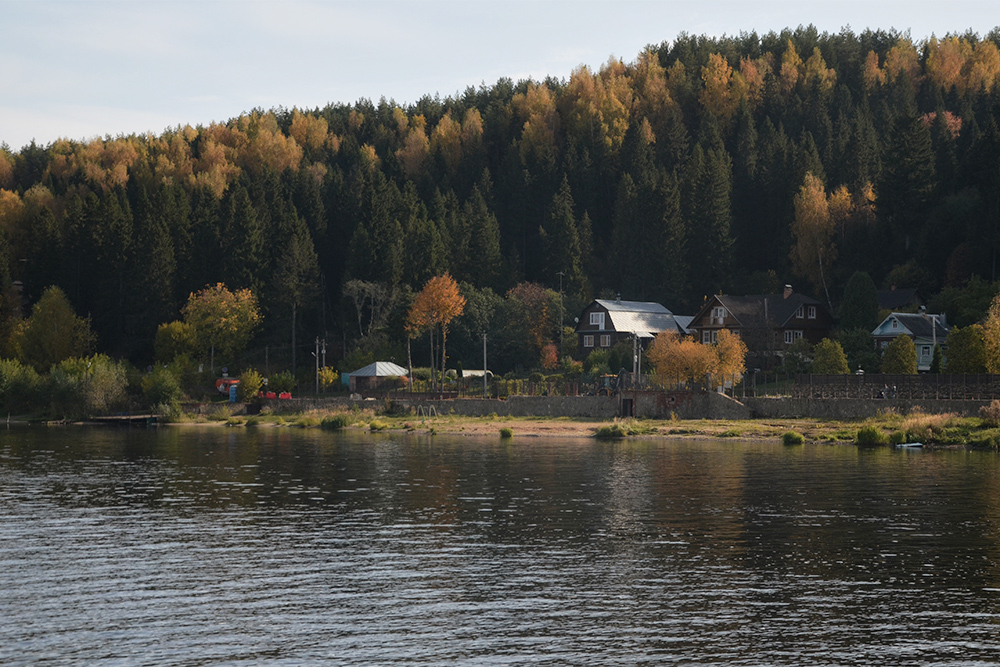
(887, 429)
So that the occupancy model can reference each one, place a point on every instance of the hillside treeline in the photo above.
(686, 172)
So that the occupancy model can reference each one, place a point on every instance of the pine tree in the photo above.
(908, 182)
(561, 238)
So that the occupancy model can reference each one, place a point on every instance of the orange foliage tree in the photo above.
(437, 304)
(682, 359)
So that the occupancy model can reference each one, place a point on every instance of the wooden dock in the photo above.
(127, 420)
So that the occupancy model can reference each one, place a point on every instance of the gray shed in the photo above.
(374, 374)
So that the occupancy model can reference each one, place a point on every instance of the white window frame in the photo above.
(719, 311)
(792, 335)
(597, 319)
(895, 323)
(605, 340)
(588, 341)
(925, 351)
(800, 312)
(811, 313)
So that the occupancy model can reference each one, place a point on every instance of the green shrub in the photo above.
(870, 436)
(253, 422)
(792, 438)
(731, 433)
(335, 422)
(306, 422)
(622, 428)
(283, 381)
(250, 383)
(160, 387)
(378, 425)
(19, 386)
(897, 437)
(86, 386)
(989, 438)
(506, 432)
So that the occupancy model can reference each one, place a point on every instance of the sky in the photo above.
(80, 69)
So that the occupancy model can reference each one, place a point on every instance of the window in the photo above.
(895, 323)
(788, 337)
(812, 312)
(718, 312)
(709, 335)
(597, 319)
(925, 351)
(791, 336)
(605, 340)
(588, 341)
(800, 312)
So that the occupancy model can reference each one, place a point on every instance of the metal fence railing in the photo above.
(907, 387)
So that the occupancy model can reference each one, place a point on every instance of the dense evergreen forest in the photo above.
(734, 164)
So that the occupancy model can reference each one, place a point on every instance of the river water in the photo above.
(213, 546)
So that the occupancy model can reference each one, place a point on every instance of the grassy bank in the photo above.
(887, 429)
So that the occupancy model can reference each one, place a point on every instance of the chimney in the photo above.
(619, 299)
(788, 291)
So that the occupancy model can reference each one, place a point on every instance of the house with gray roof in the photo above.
(925, 329)
(605, 322)
(765, 322)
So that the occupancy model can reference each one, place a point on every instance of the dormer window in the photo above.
(597, 319)
(812, 312)
(800, 312)
(895, 323)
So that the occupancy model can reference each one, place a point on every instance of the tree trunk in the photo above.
(444, 356)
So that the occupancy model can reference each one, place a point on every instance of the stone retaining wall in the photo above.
(849, 409)
(649, 405)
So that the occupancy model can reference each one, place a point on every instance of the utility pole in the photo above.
(316, 354)
(484, 365)
(560, 274)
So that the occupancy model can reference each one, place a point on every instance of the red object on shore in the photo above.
(285, 395)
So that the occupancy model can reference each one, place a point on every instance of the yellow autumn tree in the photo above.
(872, 74)
(716, 95)
(677, 358)
(945, 61)
(991, 336)
(446, 140)
(435, 306)
(791, 68)
(730, 356)
(902, 61)
(415, 148)
(309, 131)
(813, 250)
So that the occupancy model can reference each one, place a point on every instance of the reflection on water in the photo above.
(196, 546)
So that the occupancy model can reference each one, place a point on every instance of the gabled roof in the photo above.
(644, 318)
(632, 306)
(918, 325)
(895, 299)
(764, 309)
(380, 369)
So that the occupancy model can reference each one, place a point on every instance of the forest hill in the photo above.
(703, 166)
